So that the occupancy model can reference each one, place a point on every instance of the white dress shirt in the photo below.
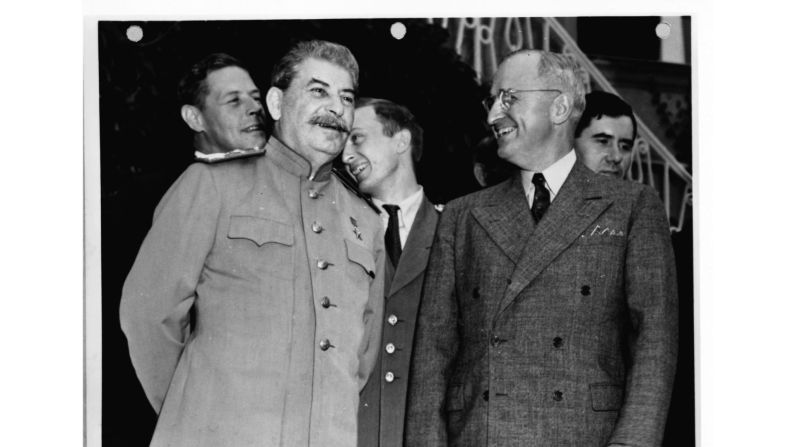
(406, 214)
(554, 176)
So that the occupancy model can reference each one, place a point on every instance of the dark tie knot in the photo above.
(541, 197)
(391, 210)
(392, 235)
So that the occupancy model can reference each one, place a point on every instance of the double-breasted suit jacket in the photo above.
(285, 275)
(561, 333)
(382, 406)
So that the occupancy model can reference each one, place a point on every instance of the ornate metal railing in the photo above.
(476, 41)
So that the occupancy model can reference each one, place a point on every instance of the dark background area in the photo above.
(144, 146)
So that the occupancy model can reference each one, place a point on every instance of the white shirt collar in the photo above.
(406, 214)
(554, 175)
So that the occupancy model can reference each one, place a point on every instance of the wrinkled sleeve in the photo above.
(436, 342)
(651, 294)
(161, 287)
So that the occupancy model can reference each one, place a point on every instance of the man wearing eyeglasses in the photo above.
(550, 314)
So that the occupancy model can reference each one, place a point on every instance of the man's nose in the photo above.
(254, 106)
(335, 106)
(614, 153)
(348, 152)
(495, 113)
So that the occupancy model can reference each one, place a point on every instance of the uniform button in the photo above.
(390, 348)
(316, 227)
(392, 319)
(557, 396)
(585, 290)
(389, 377)
(475, 293)
(557, 342)
(509, 281)
(322, 265)
(325, 344)
(495, 340)
(313, 194)
(485, 395)
(325, 302)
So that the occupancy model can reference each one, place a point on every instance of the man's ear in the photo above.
(273, 99)
(192, 117)
(403, 137)
(561, 107)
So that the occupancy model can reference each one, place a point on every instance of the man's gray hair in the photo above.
(284, 70)
(566, 73)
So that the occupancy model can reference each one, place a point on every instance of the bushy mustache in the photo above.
(331, 122)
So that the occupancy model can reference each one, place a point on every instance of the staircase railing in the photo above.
(476, 41)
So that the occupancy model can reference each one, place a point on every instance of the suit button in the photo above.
(325, 344)
(392, 319)
(322, 265)
(390, 348)
(325, 302)
(389, 377)
(313, 194)
(557, 396)
(316, 227)
(486, 395)
(557, 342)
(475, 293)
(585, 290)
(495, 340)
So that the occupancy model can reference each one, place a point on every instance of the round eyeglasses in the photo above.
(507, 98)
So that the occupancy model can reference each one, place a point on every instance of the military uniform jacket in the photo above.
(561, 333)
(382, 407)
(286, 278)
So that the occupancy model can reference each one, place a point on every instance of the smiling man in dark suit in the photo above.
(382, 150)
(550, 313)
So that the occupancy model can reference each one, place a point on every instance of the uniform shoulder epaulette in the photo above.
(226, 156)
(439, 207)
(350, 185)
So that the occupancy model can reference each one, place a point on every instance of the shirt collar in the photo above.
(408, 207)
(554, 175)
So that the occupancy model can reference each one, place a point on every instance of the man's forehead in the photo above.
(325, 71)
(365, 117)
(229, 79)
(518, 71)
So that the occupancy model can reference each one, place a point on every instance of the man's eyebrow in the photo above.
(318, 81)
(602, 135)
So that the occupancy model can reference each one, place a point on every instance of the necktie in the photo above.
(540, 197)
(392, 235)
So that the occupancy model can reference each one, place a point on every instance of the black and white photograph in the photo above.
(396, 231)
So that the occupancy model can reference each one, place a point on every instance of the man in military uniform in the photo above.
(382, 151)
(283, 267)
(222, 106)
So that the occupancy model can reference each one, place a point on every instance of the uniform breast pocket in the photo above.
(361, 265)
(262, 244)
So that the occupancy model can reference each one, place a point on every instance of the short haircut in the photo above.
(192, 88)
(284, 70)
(599, 104)
(566, 71)
(394, 118)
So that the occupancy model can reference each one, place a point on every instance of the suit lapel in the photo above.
(417, 248)
(506, 218)
(576, 206)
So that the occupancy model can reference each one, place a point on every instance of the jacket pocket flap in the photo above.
(360, 255)
(260, 230)
(606, 396)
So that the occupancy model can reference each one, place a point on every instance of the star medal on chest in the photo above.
(356, 229)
